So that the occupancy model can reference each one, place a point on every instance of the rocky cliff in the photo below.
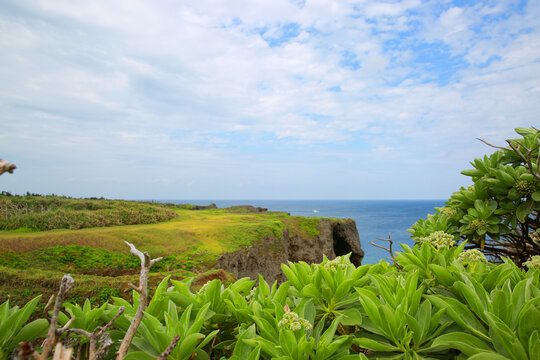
(265, 257)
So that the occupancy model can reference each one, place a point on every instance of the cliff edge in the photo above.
(333, 238)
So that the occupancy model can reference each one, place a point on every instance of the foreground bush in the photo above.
(437, 302)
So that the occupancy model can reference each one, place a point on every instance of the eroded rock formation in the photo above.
(265, 257)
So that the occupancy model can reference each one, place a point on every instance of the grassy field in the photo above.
(32, 262)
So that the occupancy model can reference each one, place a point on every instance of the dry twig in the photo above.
(142, 289)
(389, 248)
(169, 348)
(65, 286)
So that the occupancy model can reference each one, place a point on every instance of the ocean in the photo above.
(374, 218)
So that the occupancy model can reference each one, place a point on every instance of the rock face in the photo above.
(265, 257)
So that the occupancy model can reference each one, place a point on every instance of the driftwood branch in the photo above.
(142, 289)
(6, 167)
(169, 348)
(65, 287)
(388, 249)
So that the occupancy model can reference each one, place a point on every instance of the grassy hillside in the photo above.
(32, 262)
(39, 213)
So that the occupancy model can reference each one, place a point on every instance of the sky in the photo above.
(266, 99)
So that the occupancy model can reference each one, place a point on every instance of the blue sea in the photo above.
(374, 218)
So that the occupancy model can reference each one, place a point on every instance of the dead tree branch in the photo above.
(142, 289)
(65, 287)
(388, 249)
(169, 348)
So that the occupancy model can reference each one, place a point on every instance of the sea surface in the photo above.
(374, 218)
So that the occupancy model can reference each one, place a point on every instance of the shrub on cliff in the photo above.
(499, 213)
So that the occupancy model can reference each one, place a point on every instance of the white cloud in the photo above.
(198, 85)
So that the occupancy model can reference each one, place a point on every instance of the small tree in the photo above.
(499, 213)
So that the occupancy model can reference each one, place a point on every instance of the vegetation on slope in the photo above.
(190, 243)
(40, 213)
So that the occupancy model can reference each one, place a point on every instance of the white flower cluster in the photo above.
(439, 239)
(533, 263)
(448, 211)
(472, 255)
(292, 321)
(333, 265)
(251, 294)
(203, 288)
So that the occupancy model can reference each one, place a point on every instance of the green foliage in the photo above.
(438, 304)
(499, 213)
(15, 329)
(53, 212)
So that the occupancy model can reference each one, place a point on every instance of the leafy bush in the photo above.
(437, 302)
(499, 213)
(13, 329)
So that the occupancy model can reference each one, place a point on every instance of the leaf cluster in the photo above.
(499, 213)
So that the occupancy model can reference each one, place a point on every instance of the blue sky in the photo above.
(261, 99)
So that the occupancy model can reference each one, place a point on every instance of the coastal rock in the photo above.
(265, 257)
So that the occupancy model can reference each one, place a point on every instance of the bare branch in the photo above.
(64, 328)
(80, 331)
(65, 286)
(389, 248)
(103, 328)
(493, 146)
(142, 289)
(169, 348)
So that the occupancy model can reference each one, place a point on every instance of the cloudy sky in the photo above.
(265, 99)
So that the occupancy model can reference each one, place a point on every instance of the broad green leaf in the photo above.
(374, 345)
(523, 210)
(460, 314)
(504, 339)
(187, 345)
(488, 356)
(534, 346)
(287, 341)
(351, 317)
(31, 331)
(464, 342)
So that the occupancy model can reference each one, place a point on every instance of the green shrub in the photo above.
(439, 303)
(499, 213)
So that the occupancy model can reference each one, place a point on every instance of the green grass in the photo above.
(33, 262)
(31, 213)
